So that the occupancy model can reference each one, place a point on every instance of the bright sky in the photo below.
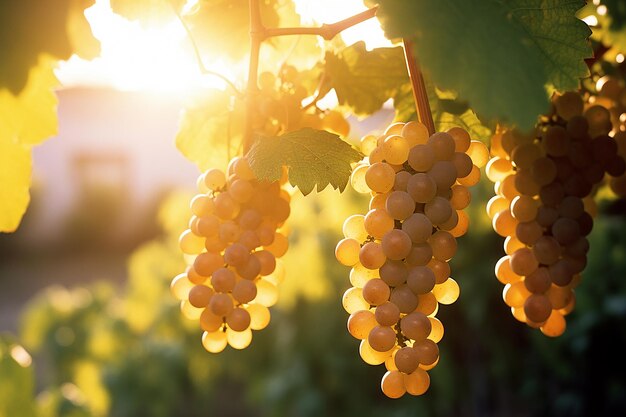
(137, 58)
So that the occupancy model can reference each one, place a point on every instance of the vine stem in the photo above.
(326, 31)
(420, 94)
(259, 33)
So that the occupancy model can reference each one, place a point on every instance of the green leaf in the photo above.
(498, 55)
(314, 157)
(34, 27)
(363, 79)
(209, 133)
(560, 36)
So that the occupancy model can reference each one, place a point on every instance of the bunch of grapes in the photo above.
(235, 234)
(544, 183)
(399, 250)
(282, 106)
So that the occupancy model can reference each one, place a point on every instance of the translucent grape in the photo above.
(360, 324)
(214, 342)
(380, 177)
(392, 384)
(347, 251)
(387, 314)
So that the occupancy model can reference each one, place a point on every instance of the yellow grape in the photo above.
(479, 153)
(360, 323)
(259, 316)
(181, 286)
(436, 332)
(189, 311)
(417, 382)
(357, 179)
(498, 169)
(392, 384)
(555, 325)
(239, 340)
(416, 133)
(267, 293)
(380, 177)
(395, 149)
(447, 292)
(371, 356)
(214, 342)
(353, 300)
(354, 228)
(347, 251)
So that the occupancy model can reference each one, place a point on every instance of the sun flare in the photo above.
(133, 57)
(161, 58)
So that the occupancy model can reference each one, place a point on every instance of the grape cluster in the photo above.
(544, 184)
(399, 250)
(235, 234)
(281, 108)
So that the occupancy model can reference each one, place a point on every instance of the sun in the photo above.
(161, 58)
(137, 58)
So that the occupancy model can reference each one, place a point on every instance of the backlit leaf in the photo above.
(314, 158)
(363, 79)
(209, 133)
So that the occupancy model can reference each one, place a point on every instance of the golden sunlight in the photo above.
(161, 58)
(133, 57)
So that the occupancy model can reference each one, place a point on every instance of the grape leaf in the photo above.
(498, 55)
(560, 36)
(205, 128)
(363, 79)
(314, 158)
(31, 27)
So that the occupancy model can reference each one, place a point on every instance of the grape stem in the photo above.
(259, 33)
(419, 87)
(326, 31)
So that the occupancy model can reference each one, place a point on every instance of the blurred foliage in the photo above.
(17, 382)
(129, 352)
(26, 119)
